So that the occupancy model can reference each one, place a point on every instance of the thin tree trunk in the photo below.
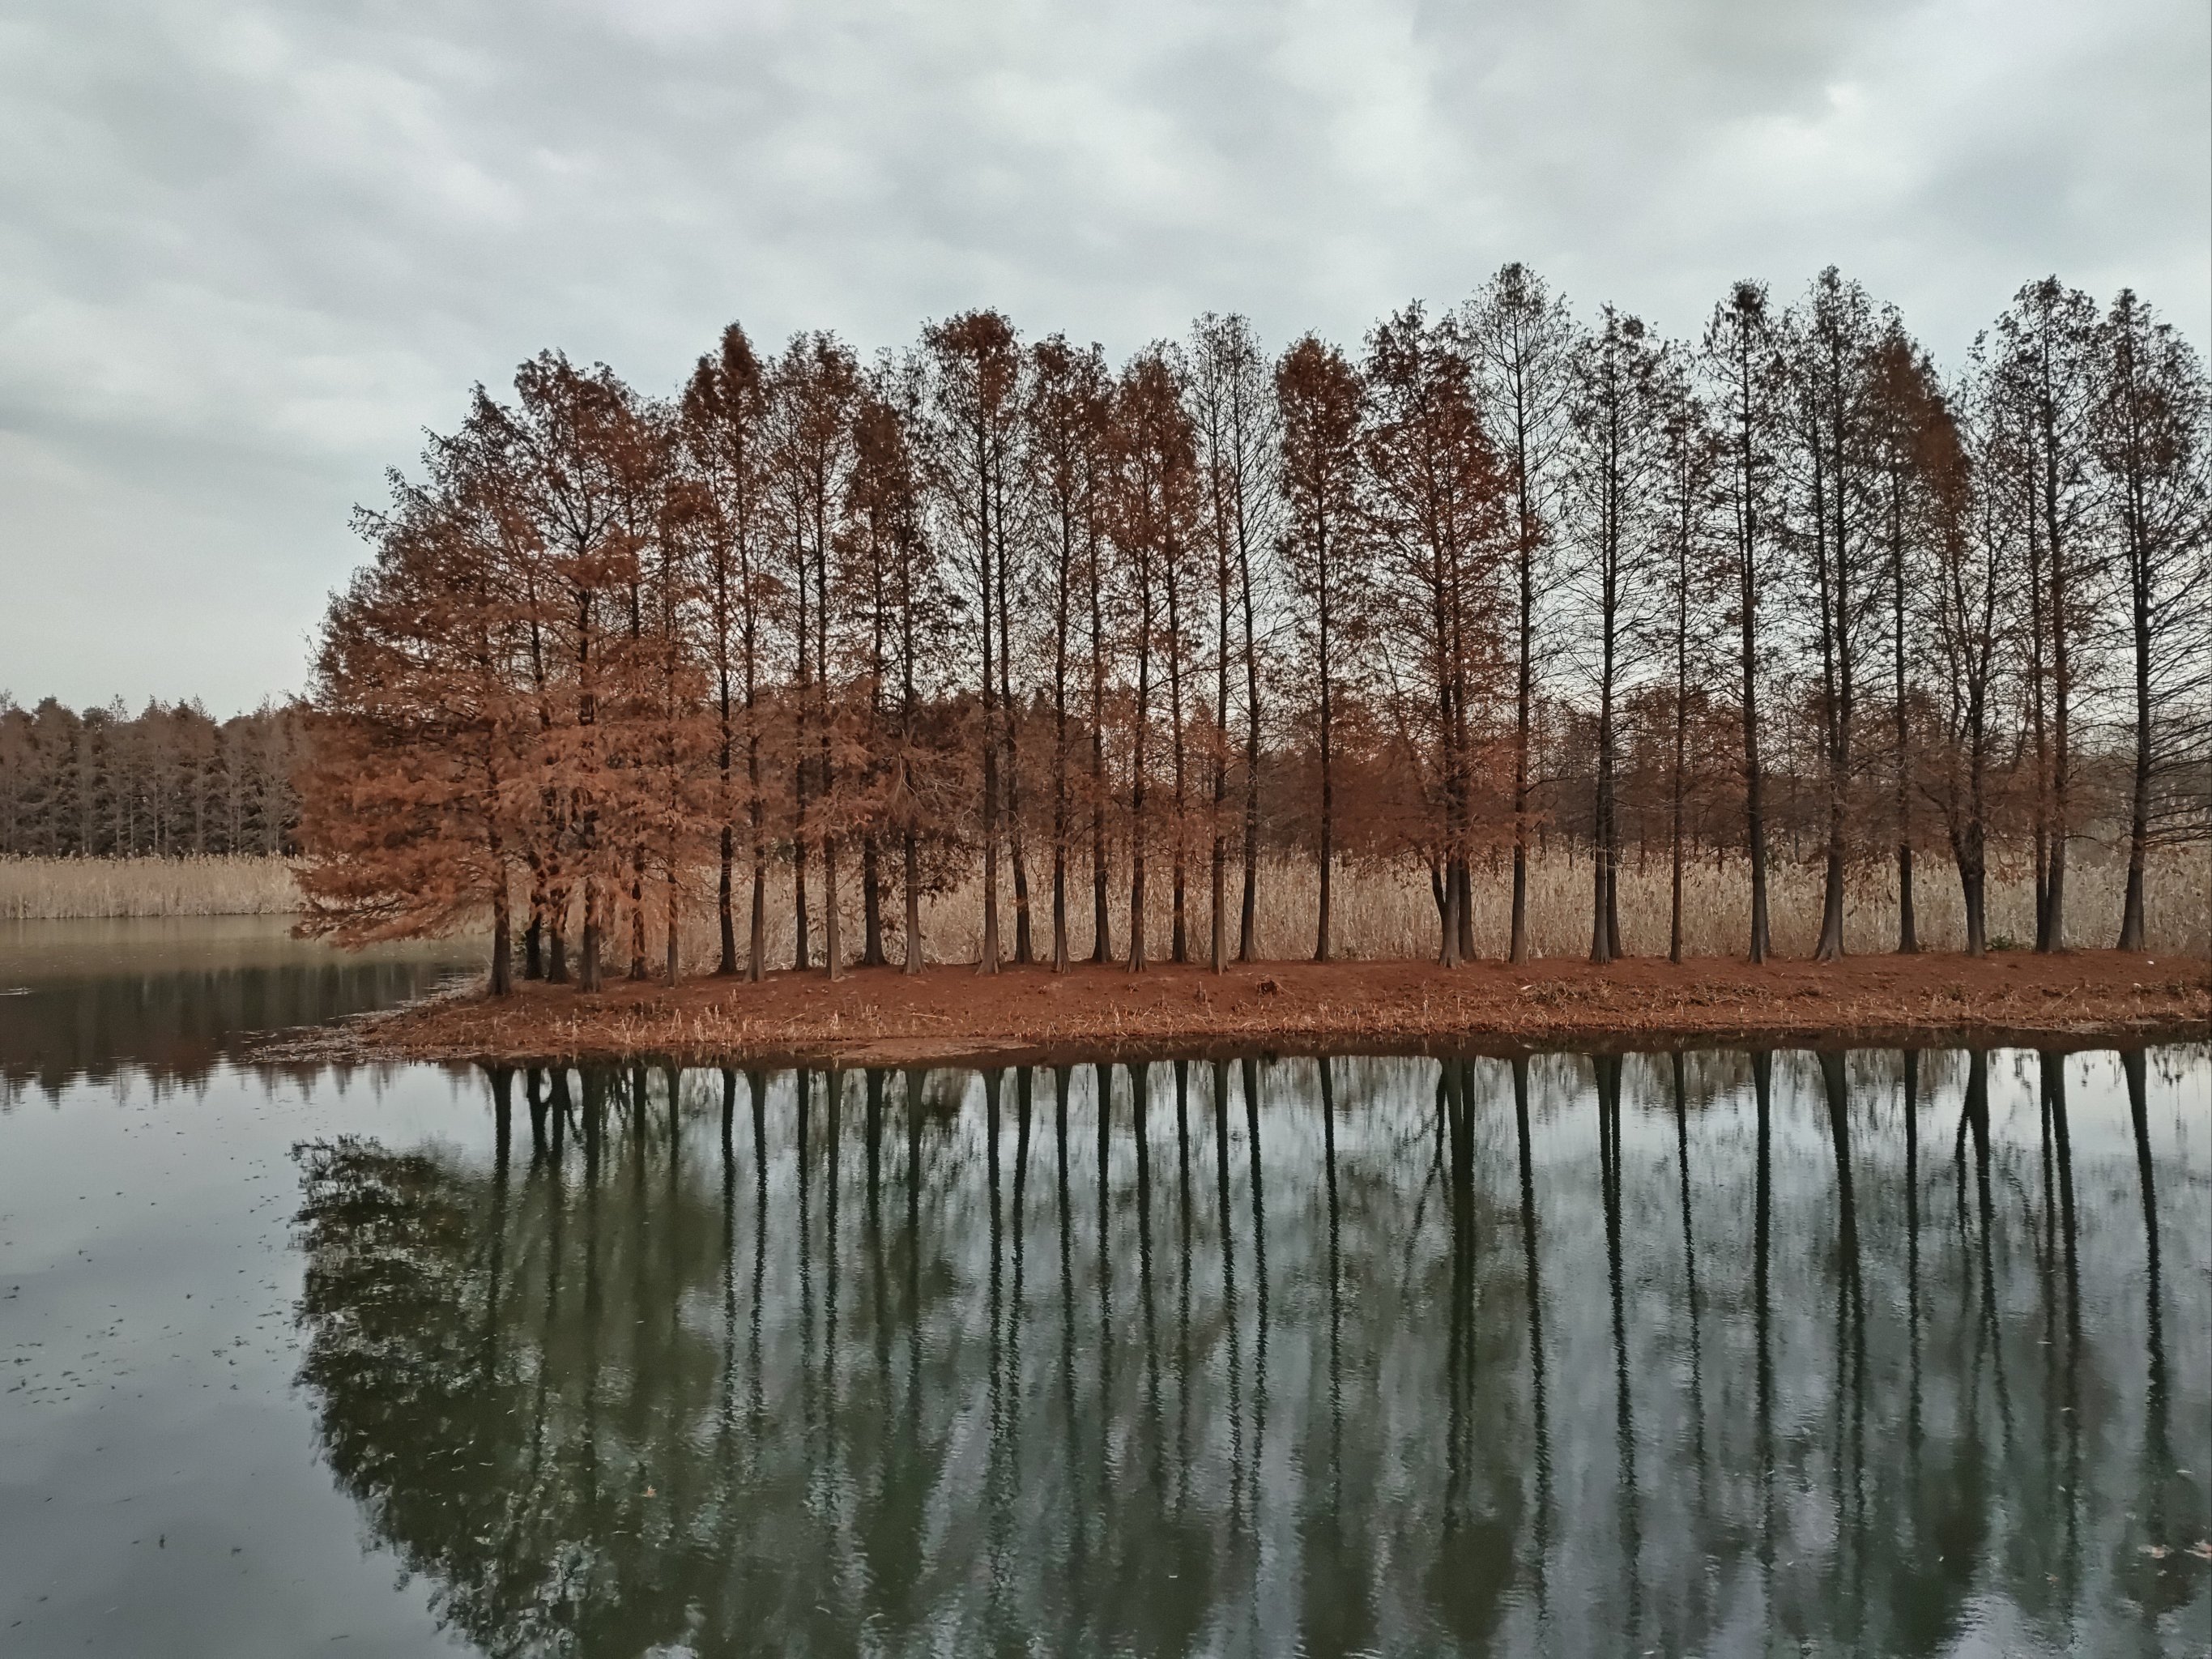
(1325, 853)
(799, 919)
(833, 952)
(871, 905)
(2053, 935)
(2131, 908)
(1137, 807)
(1524, 711)
(1024, 949)
(556, 965)
(726, 913)
(1102, 926)
(1248, 919)
(1908, 932)
(1218, 901)
(756, 931)
(674, 922)
(913, 885)
(588, 979)
(533, 935)
(502, 943)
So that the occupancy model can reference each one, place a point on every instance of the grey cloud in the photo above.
(249, 251)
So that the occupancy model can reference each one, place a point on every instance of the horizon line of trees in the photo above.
(998, 609)
(169, 781)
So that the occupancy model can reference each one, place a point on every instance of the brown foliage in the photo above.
(1500, 588)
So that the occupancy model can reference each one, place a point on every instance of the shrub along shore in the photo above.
(948, 1013)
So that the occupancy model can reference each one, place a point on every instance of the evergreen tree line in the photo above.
(169, 781)
(996, 610)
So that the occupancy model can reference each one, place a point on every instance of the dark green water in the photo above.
(1745, 1354)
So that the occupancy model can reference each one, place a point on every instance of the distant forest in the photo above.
(836, 632)
(168, 782)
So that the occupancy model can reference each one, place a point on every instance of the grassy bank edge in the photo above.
(2088, 999)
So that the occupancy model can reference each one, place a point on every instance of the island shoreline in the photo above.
(950, 1015)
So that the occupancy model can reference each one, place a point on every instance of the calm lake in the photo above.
(1718, 1353)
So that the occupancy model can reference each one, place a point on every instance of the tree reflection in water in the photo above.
(1683, 1353)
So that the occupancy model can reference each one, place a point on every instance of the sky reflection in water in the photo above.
(1862, 1353)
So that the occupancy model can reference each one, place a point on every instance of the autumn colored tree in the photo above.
(813, 391)
(1830, 354)
(2040, 362)
(419, 757)
(1322, 409)
(1435, 507)
(1743, 362)
(2150, 437)
(975, 402)
(1068, 465)
(568, 432)
(724, 434)
(1976, 559)
(1916, 455)
(1154, 527)
(1616, 473)
(1235, 410)
(1692, 573)
(1522, 337)
(1514, 584)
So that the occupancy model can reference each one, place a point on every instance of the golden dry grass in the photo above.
(1387, 912)
(1380, 912)
(54, 889)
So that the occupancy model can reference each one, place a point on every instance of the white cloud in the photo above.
(248, 251)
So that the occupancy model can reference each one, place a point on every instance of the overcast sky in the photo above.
(249, 252)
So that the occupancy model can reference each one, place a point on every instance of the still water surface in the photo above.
(1728, 1354)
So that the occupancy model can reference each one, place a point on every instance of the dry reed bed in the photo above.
(1381, 912)
(1387, 913)
(62, 890)
(881, 1017)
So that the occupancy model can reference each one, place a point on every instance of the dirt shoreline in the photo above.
(1029, 1015)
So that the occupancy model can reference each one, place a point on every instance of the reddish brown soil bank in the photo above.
(880, 1016)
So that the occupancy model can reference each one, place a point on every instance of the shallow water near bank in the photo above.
(1866, 1352)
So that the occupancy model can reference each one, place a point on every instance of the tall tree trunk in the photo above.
(913, 885)
(1605, 922)
(1218, 900)
(1908, 932)
(1059, 954)
(1971, 898)
(2131, 906)
(1524, 713)
(1325, 853)
(502, 943)
(756, 929)
(1681, 746)
(1102, 926)
(726, 913)
(833, 949)
(872, 904)
(1248, 919)
(587, 978)
(725, 755)
(1024, 947)
(2051, 934)
(800, 918)
(1137, 800)
(674, 922)
(533, 934)
(1179, 932)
